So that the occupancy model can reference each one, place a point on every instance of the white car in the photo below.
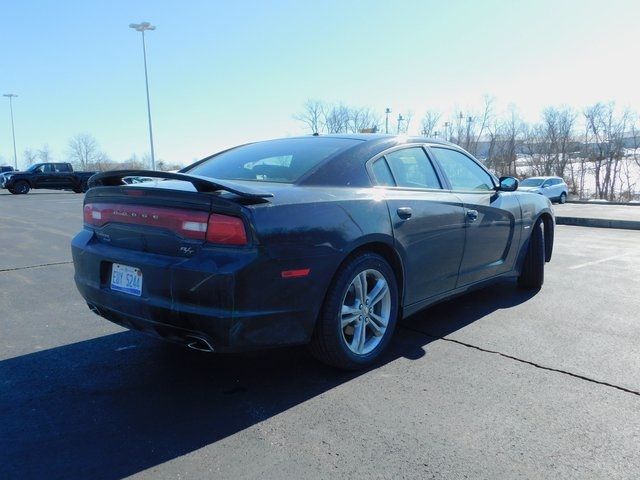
(554, 188)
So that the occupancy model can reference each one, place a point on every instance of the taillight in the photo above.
(226, 230)
(213, 228)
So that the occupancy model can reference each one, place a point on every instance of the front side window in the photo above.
(411, 168)
(532, 182)
(284, 160)
(463, 173)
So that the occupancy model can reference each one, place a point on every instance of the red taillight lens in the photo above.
(214, 228)
(226, 230)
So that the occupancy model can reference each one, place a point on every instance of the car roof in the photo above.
(382, 138)
(345, 167)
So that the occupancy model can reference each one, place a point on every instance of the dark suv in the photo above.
(57, 176)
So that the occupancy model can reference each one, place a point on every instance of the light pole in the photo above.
(400, 119)
(386, 121)
(141, 27)
(13, 128)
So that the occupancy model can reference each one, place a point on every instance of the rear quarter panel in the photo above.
(314, 228)
(533, 206)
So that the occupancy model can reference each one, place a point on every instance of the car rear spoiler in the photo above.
(201, 184)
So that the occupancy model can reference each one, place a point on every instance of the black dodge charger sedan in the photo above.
(326, 240)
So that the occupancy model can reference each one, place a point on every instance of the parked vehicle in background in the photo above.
(56, 176)
(327, 240)
(554, 188)
(137, 179)
(4, 170)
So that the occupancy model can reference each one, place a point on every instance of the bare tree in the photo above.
(482, 124)
(605, 143)
(312, 115)
(84, 152)
(30, 157)
(635, 143)
(429, 123)
(44, 155)
(336, 119)
(506, 140)
(362, 118)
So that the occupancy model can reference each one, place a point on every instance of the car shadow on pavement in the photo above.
(122, 403)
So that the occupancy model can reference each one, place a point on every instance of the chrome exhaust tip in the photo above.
(199, 343)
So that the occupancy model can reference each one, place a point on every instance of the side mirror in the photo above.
(508, 184)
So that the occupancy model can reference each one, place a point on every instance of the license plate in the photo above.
(126, 279)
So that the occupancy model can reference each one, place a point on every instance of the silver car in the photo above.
(554, 188)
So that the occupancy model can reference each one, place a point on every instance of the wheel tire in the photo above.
(532, 273)
(329, 343)
(21, 187)
(82, 188)
(563, 198)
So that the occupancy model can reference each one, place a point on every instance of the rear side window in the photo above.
(463, 173)
(411, 168)
(382, 173)
(284, 160)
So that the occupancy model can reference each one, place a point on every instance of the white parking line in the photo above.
(602, 260)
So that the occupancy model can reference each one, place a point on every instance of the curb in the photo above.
(586, 202)
(598, 223)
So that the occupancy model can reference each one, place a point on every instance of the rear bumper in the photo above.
(235, 299)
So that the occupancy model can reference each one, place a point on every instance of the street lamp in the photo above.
(13, 128)
(141, 27)
(387, 111)
(400, 119)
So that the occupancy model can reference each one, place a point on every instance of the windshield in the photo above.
(284, 160)
(32, 168)
(532, 182)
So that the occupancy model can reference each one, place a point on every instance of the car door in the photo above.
(558, 187)
(493, 218)
(428, 222)
(43, 176)
(63, 176)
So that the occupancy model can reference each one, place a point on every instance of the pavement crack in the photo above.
(34, 266)
(527, 362)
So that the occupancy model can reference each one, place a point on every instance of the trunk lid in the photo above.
(173, 216)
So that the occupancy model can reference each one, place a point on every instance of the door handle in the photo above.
(472, 215)
(404, 213)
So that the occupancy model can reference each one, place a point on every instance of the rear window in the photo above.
(284, 160)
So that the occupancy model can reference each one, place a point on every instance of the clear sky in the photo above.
(226, 72)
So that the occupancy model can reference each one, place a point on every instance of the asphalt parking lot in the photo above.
(500, 383)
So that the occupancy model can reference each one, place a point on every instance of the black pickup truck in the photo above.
(57, 176)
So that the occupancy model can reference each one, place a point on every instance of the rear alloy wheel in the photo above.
(21, 187)
(532, 273)
(563, 198)
(359, 314)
